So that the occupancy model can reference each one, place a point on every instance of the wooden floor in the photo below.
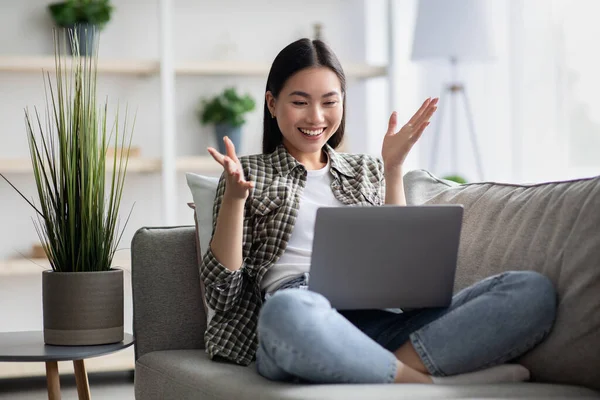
(103, 386)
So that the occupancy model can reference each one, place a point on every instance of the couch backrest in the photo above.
(551, 228)
(167, 303)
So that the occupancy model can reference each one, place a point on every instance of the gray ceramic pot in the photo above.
(234, 133)
(82, 308)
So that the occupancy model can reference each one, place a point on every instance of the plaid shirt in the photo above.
(269, 217)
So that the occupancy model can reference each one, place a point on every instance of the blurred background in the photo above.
(517, 81)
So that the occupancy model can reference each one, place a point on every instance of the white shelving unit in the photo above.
(167, 164)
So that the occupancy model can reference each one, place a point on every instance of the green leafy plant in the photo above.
(70, 12)
(79, 201)
(455, 178)
(227, 107)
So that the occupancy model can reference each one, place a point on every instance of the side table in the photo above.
(29, 346)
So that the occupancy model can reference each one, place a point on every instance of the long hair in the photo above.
(301, 54)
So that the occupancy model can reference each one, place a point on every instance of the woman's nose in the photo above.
(316, 115)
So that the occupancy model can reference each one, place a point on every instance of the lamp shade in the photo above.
(455, 29)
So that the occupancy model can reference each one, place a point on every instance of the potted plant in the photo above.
(79, 191)
(79, 16)
(455, 178)
(226, 111)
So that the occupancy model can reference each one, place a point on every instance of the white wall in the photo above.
(208, 30)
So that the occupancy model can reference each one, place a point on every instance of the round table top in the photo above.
(30, 346)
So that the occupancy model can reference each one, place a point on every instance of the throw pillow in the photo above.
(204, 189)
(551, 228)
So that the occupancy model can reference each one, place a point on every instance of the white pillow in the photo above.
(204, 190)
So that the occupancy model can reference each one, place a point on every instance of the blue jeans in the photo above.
(301, 338)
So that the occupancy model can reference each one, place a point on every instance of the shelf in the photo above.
(189, 68)
(136, 165)
(47, 63)
(35, 266)
(198, 164)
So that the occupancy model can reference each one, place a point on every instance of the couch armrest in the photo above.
(167, 303)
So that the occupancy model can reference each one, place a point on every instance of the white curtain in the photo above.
(554, 96)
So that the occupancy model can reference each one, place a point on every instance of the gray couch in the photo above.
(553, 228)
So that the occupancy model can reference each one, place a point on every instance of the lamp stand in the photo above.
(454, 90)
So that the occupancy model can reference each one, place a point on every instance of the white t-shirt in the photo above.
(295, 260)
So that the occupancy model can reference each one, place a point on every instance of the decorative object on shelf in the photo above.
(318, 31)
(131, 152)
(78, 222)
(457, 30)
(80, 17)
(227, 112)
(38, 251)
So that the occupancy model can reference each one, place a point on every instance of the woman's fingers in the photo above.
(424, 113)
(230, 149)
(216, 155)
(414, 120)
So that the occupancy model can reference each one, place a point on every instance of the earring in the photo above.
(272, 115)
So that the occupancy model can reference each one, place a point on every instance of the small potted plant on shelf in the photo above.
(79, 190)
(227, 112)
(79, 16)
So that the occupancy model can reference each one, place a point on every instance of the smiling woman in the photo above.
(257, 265)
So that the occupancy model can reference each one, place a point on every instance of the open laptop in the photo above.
(386, 257)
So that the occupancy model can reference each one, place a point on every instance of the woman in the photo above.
(256, 268)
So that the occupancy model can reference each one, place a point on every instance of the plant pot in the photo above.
(82, 308)
(232, 132)
(85, 36)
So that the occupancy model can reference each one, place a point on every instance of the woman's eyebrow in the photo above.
(308, 96)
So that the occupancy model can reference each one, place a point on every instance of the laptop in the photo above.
(386, 257)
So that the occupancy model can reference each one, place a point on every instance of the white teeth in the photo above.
(311, 133)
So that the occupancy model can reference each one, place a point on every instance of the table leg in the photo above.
(52, 380)
(81, 378)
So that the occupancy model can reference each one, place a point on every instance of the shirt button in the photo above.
(262, 207)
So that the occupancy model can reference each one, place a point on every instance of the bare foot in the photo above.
(405, 374)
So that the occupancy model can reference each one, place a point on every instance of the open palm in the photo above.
(236, 185)
(397, 145)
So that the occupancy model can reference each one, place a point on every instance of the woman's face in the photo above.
(308, 110)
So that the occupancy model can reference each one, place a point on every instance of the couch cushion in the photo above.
(189, 374)
(552, 228)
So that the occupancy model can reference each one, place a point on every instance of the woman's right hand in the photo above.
(236, 187)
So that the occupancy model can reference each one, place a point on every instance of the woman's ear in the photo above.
(270, 99)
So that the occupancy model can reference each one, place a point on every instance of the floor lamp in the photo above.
(455, 30)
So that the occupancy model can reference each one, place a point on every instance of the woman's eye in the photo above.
(299, 103)
(331, 103)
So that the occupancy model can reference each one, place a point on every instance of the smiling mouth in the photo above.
(312, 132)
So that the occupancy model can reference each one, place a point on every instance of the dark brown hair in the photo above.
(301, 54)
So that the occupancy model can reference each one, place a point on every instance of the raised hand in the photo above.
(237, 187)
(397, 145)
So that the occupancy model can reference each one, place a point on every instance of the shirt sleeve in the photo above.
(381, 185)
(223, 287)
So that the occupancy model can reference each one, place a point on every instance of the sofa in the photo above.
(552, 228)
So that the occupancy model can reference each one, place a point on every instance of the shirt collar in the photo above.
(285, 163)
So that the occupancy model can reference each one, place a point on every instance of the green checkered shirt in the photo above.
(269, 217)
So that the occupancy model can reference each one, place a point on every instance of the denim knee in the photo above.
(537, 299)
(288, 310)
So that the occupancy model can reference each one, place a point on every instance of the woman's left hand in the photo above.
(397, 145)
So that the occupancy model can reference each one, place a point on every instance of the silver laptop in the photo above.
(386, 257)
